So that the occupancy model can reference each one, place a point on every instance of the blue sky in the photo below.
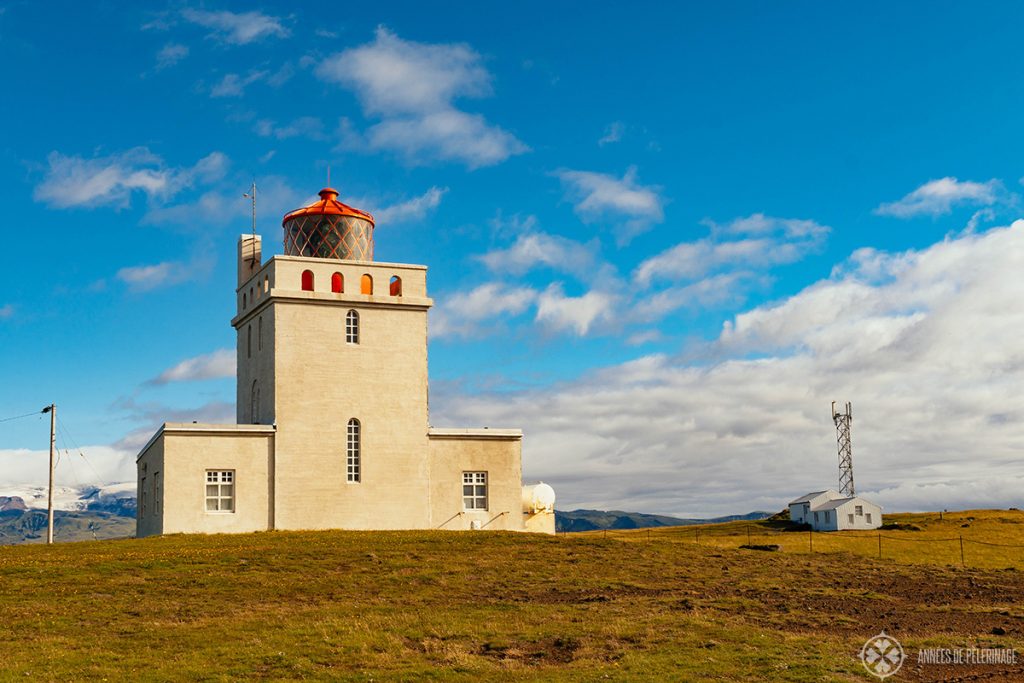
(661, 238)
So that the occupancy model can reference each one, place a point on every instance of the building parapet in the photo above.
(206, 428)
(475, 433)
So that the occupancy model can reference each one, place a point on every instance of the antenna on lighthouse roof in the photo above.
(328, 175)
(252, 195)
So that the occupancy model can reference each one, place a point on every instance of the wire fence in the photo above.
(893, 545)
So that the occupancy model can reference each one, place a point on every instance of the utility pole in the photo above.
(52, 410)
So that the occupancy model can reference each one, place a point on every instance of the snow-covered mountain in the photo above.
(116, 498)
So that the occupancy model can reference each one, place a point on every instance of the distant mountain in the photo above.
(591, 520)
(80, 513)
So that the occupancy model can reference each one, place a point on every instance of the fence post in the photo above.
(810, 539)
(879, 545)
(962, 563)
(697, 531)
(748, 534)
(648, 534)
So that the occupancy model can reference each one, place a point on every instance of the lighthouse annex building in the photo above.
(333, 426)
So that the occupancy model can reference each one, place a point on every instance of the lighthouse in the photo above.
(333, 426)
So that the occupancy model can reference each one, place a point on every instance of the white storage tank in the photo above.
(538, 498)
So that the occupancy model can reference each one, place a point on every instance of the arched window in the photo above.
(259, 334)
(254, 408)
(337, 283)
(251, 297)
(366, 284)
(396, 286)
(243, 301)
(248, 342)
(352, 327)
(353, 452)
(307, 281)
(266, 284)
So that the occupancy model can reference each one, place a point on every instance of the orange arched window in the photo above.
(307, 280)
(396, 286)
(366, 284)
(337, 283)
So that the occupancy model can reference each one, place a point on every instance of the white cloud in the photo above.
(612, 133)
(170, 54)
(447, 135)
(599, 196)
(411, 209)
(461, 314)
(926, 344)
(73, 181)
(6, 311)
(148, 277)
(233, 85)
(938, 197)
(24, 467)
(216, 365)
(411, 87)
(767, 242)
(305, 126)
(237, 28)
(535, 248)
(577, 314)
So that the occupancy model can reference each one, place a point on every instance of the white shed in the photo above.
(800, 509)
(830, 511)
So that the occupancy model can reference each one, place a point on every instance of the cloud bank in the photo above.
(926, 344)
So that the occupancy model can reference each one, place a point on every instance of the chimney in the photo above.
(250, 254)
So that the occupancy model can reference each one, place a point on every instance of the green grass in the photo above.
(479, 606)
(992, 539)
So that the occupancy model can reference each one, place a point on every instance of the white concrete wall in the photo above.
(860, 522)
(497, 452)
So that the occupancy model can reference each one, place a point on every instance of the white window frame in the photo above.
(850, 518)
(478, 494)
(354, 451)
(224, 481)
(869, 518)
(859, 509)
(352, 327)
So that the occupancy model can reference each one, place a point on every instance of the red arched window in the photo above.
(396, 286)
(366, 284)
(337, 283)
(307, 280)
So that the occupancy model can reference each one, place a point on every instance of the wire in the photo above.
(19, 417)
(64, 429)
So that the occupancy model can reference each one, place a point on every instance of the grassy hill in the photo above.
(591, 520)
(627, 605)
(29, 526)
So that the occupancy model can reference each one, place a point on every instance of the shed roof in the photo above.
(811, 496)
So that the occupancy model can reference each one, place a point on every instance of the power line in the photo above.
(19, 417)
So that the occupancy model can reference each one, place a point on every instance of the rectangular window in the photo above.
(142, 497)
(815, 516)
(474, 490)
(826, 515)
(869, 518)
(156, 492)
(220, 490)
(353, 449)
(859, 509)
(850, 516)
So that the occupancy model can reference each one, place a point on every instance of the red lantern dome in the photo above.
(329, 229)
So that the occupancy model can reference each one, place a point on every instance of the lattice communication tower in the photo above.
(843, 421)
